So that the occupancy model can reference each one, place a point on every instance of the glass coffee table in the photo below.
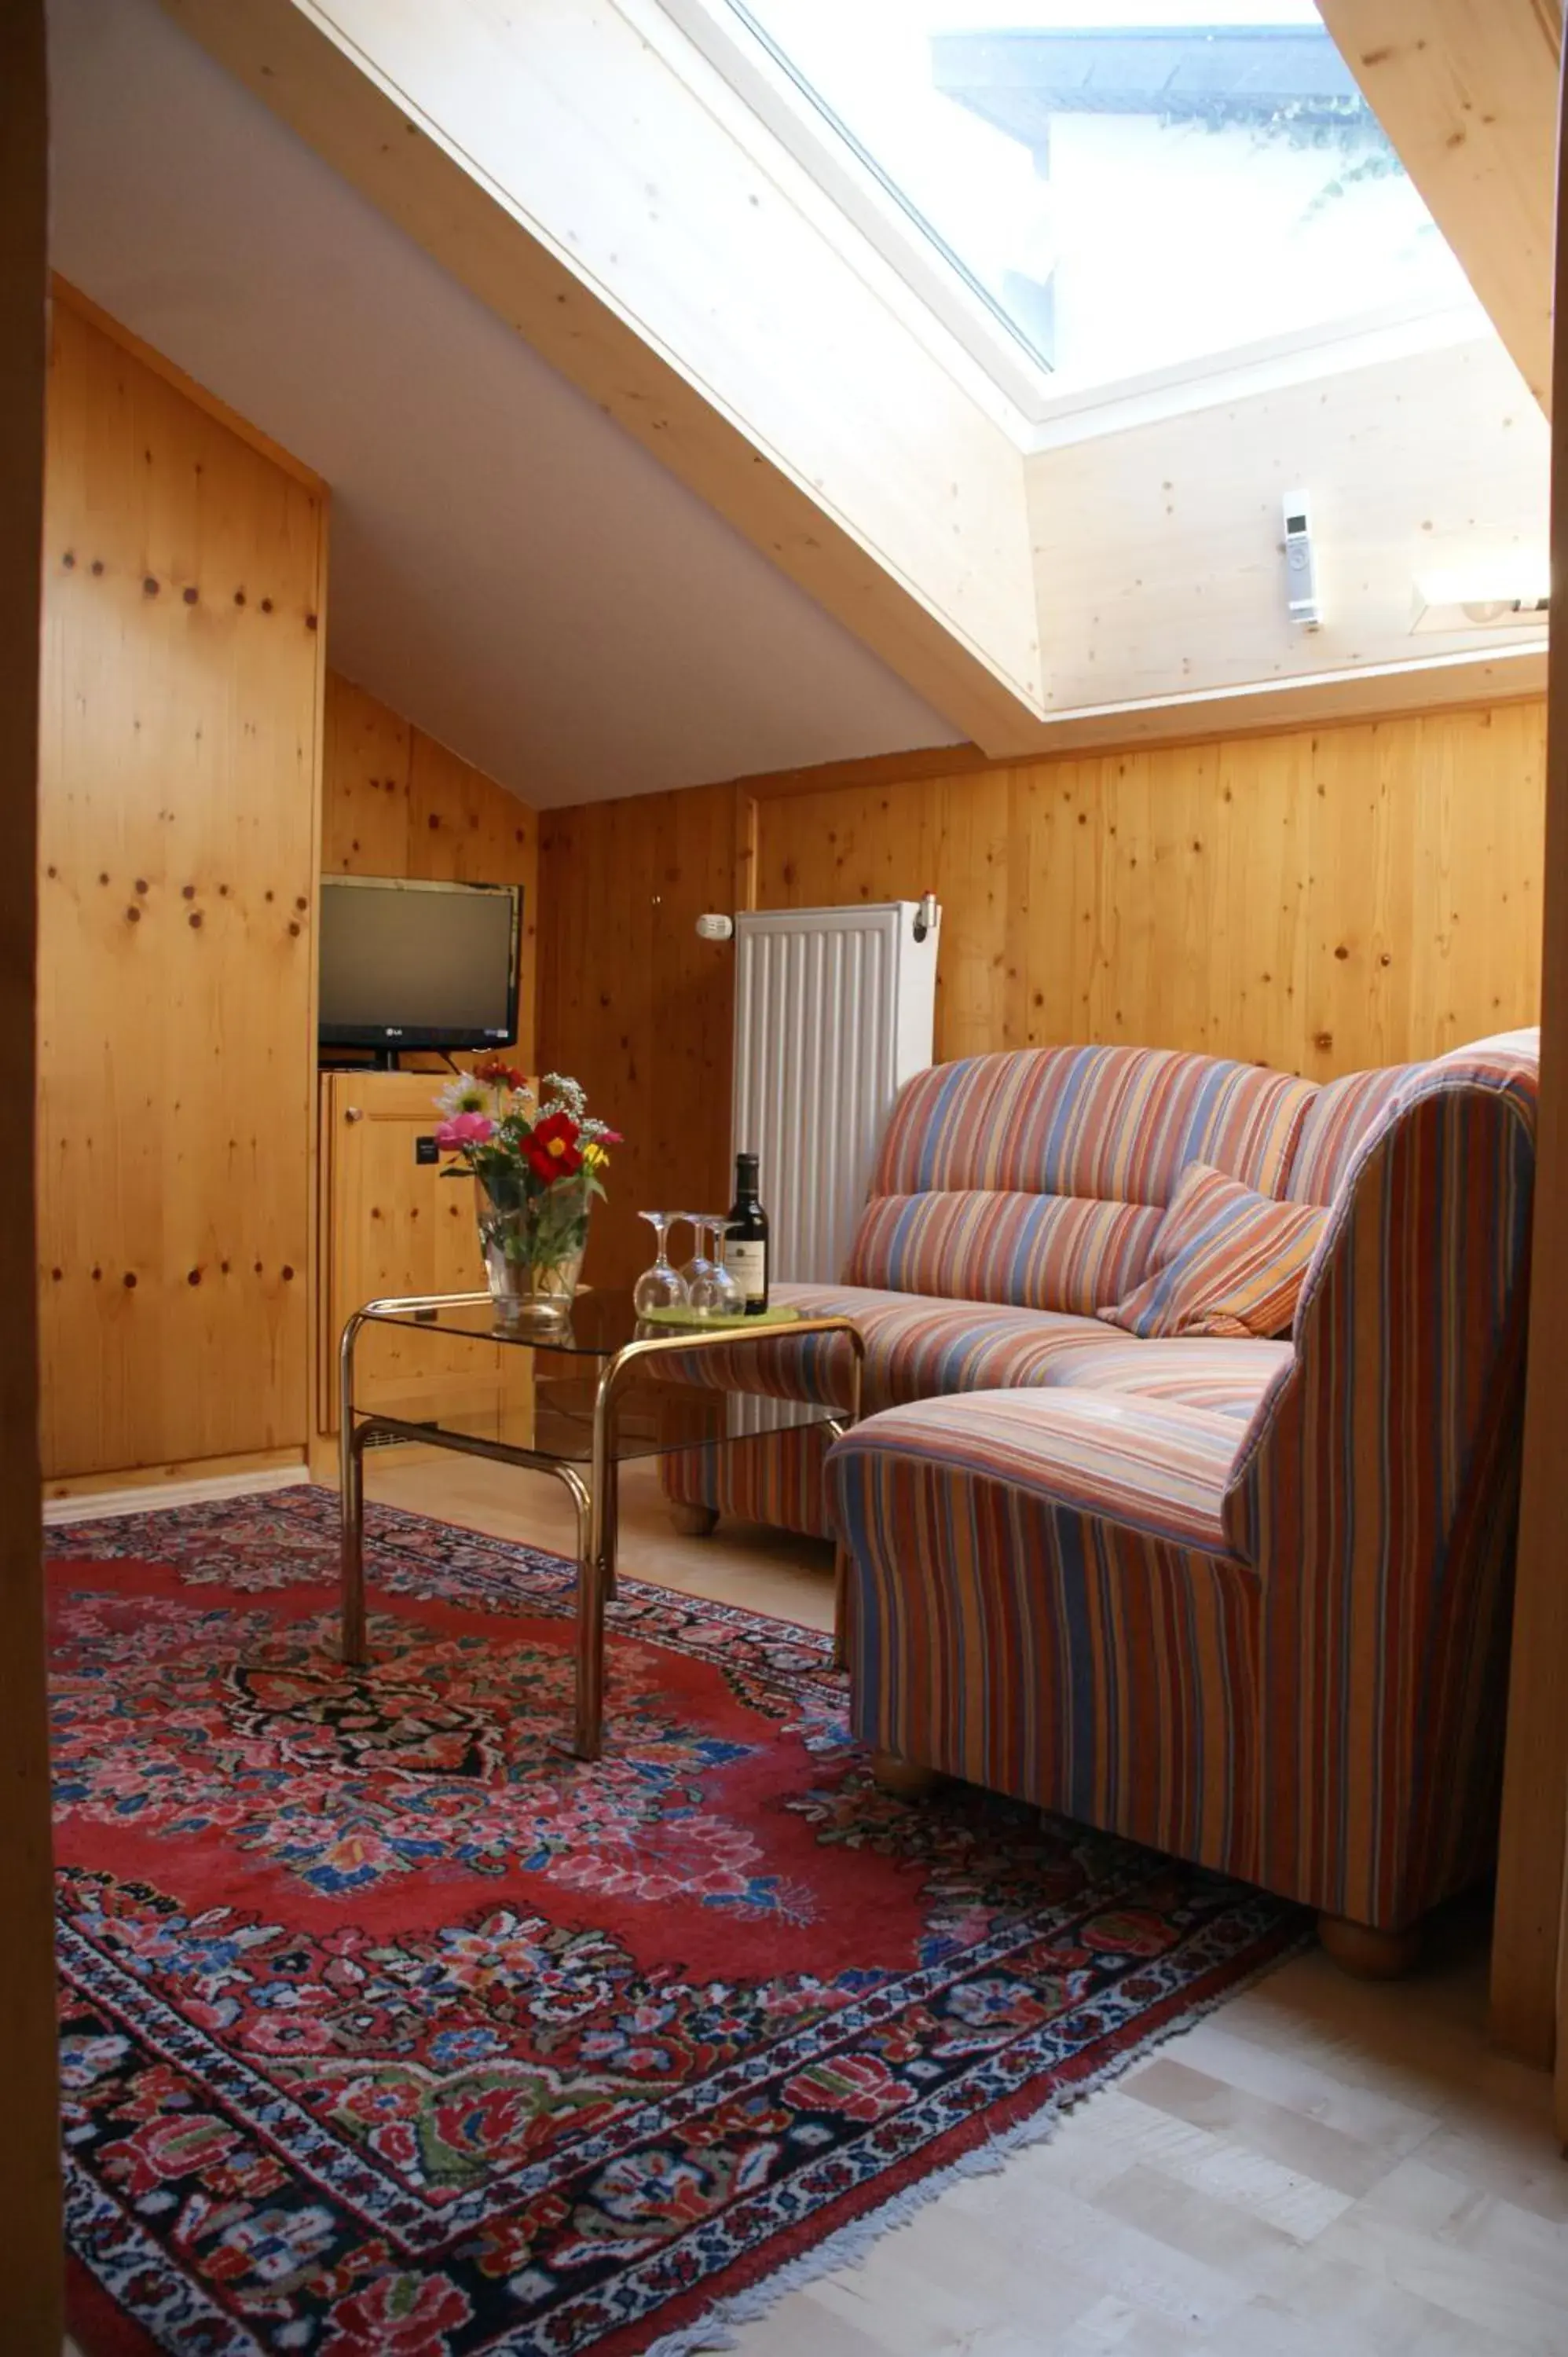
(576, 1401)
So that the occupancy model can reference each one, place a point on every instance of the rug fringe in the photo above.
(714, 2330)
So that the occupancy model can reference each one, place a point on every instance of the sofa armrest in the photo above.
(1153, 1467)
(1376, 1492)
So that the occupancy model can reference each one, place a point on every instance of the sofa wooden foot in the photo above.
(901, 1778)
(1367, 1954)
(694, 1521)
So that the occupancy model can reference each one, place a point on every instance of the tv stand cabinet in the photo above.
(392, 1222)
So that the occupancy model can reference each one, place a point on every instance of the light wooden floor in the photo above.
(1321, 2168)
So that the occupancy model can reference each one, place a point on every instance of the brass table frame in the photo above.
(595, 1499)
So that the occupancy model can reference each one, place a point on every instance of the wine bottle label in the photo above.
(747, 1263)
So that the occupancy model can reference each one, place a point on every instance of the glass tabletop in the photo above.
(454, 1372)
(601, 1323)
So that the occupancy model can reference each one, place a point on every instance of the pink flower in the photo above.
(465, 1129)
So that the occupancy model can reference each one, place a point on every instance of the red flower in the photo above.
(491, 1073)
(552, 1149)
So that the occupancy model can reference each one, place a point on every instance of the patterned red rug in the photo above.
(388, 2031)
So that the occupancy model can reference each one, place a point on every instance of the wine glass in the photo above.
(699, 1263)
(715, 1293)
(660, 1287)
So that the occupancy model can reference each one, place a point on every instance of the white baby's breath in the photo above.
(563, 1094)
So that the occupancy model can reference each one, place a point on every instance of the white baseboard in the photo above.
(151, 1497)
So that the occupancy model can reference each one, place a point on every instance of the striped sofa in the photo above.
(1244, 1600)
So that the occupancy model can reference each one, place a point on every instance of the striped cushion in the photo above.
(1226, 1260)
(1037, 1252)
(915, 1348)
(1338, 1122)
(1117, 1125)
(1228, 1378)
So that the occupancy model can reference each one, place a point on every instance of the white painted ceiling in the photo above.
(509, 569)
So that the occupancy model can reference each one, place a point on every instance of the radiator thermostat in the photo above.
(714, 928)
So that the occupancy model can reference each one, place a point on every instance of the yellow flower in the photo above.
(593, 1154)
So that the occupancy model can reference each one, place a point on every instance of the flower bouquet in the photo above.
(538, 1160)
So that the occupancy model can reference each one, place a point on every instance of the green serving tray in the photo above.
(691, 1320)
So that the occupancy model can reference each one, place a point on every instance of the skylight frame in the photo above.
(727, 36)
(731, 39)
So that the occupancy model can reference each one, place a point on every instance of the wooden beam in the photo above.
(1467, 91)
(1531, 1882)
(29, 2148)
(619, 223)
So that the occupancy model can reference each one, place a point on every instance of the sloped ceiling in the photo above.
(509, 568)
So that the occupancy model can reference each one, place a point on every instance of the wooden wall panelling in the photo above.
(183, 576)
(597, 1018)
(637, 1008)
(365, 781)
(692, 987)
(1321, 901)
(1530, 1943)
(1475, 957)
(889, 841)
(397, 803)
(315, 1272)
(464, 829)
(30, 2256)
(969, 835)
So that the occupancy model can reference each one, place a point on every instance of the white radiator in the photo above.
(834, 1011)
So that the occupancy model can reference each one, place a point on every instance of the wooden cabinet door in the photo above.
(395, 1223)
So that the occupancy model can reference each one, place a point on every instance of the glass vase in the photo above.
(533, 1242)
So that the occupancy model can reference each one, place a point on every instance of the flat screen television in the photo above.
(410, 965)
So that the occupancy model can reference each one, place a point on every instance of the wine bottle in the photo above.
(746, 1237)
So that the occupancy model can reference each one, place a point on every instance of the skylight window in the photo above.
(1130, 186)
